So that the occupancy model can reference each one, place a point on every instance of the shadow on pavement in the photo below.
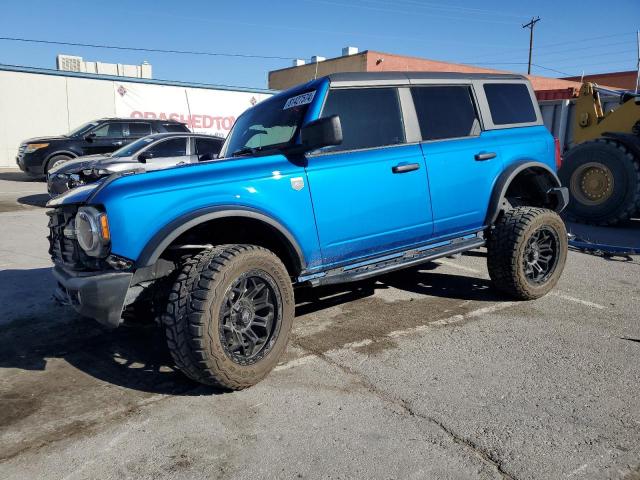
(136, 356)
(420, 280)
(37, 200)
(17, 176)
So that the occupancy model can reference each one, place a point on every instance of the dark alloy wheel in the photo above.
(541, 255)
(229, 315)
(250, 317)
(526, 251)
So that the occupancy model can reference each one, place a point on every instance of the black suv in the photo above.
(37, 156)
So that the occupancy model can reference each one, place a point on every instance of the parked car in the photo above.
(37, 156)
(341, 179)
(153, 152)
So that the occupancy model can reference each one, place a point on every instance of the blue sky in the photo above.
(572, 36)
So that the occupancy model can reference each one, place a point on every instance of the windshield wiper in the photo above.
(264, 148)
(246, 151)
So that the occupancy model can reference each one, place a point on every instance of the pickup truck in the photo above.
(341, 179)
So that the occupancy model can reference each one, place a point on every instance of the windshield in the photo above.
(132, 148)
(81, 129)
(271, 123)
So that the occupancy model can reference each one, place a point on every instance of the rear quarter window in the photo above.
(175, 127)
(509, 103)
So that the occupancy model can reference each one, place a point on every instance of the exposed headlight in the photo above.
(32, 147)
(92, 231)
(95, 172)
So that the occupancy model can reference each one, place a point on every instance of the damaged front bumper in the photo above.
(100, 296)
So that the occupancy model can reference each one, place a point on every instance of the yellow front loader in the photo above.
(602, 168)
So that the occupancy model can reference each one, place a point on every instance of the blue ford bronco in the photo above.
(341, 179)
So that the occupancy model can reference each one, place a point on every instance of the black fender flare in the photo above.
(167, 234)
(498, 195)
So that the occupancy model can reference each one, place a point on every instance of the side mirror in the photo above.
(323, 132)
(89, 137)
(144, 156)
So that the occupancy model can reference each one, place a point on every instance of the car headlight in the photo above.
(95, 172)
(32, 147)
(92, 231)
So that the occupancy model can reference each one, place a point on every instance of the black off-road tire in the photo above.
(622, 202)
(193, 318)
(508, 242)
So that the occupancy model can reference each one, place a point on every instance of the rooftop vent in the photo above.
(298, 62)
(70, 63)
(346, 51)
(317, 59)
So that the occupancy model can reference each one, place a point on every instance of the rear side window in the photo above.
(206, 145)
(139, 129)
(509, 103)
(175, 127)
(175, 147)
(445, 112)
(370, 117)
(109, 130)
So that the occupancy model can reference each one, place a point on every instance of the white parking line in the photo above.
(453, 319)
(578, 300)
(294, 363)
(459, 267)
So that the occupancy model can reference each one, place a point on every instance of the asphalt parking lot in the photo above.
(426, 373)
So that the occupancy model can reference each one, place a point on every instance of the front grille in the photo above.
(64, 251)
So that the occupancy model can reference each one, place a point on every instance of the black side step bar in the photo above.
(407, 259)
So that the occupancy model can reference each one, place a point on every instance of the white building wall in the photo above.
(30, 105)
(89, 99)
(36, 105)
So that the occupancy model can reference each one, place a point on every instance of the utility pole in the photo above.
(638, 65)
(530, 26)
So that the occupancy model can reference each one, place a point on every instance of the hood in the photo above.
(44, 139)
(75, 195)
(105, 162)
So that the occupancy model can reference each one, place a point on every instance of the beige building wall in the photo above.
(288, 77)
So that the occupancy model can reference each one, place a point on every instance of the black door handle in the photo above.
(405, 167)
(480, 157)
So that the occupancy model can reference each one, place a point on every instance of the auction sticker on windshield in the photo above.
(301, 99)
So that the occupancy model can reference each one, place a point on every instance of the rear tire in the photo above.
(229, 315)
(603, 178)
(526, 252)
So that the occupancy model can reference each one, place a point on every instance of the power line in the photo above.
(550, 45)
(446, 8)
(408, 12)
(153, 50)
